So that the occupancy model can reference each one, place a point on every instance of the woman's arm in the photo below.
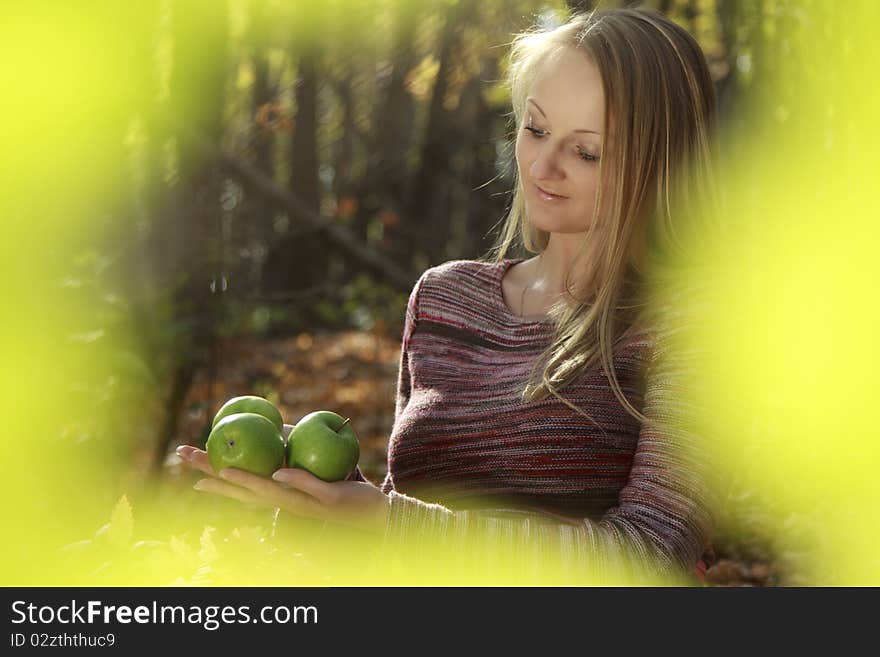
(659, 529)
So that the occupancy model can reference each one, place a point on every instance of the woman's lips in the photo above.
(547, 196)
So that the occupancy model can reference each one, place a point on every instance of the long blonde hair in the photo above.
(659, 169)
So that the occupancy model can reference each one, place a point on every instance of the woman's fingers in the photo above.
(258, 485)
(228, 490)
(250, 488)
(292, 500)
(308, 483)
(196, 458)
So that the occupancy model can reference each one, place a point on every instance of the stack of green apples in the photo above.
(248, 434)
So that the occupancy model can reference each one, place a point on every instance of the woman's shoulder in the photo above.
(476, 278)
(456, 270)
(460, 291)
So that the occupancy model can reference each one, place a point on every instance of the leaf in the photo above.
(87, 337)
(208, 553)
(121, 527)
(181, 551)
(182, 558)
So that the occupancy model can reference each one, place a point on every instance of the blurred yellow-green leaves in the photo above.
(118, 237)
(792, 323)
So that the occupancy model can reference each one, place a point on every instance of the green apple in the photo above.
(324, 444)
(250, 404)
(247, 441)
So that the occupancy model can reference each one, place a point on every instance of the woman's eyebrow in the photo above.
(532, 100)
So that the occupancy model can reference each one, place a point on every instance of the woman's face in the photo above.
(559, 143)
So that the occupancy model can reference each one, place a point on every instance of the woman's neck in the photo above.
(546, 273)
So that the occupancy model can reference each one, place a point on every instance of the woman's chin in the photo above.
(540, 221)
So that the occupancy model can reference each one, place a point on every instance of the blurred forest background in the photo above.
(281, 173)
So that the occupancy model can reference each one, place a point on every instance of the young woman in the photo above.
(536, 396)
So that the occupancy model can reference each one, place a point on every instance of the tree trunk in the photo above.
(299, 259)
(487, 190)
(255, 221)
(382, 191)
(263, 96)
(190, 228)
(345, 147)
(429, 206)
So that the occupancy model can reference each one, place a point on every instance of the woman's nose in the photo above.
(546, 165)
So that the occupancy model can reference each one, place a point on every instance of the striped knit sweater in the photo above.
(467, 457)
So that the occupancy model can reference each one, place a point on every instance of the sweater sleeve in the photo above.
(656, 532)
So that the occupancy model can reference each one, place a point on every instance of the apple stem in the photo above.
(347, 420)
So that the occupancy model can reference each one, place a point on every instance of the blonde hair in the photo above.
(658, 167)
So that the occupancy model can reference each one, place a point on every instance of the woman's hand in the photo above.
(297, 491)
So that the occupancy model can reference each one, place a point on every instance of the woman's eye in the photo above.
(537, 133)
(584, 155)
(587, 157)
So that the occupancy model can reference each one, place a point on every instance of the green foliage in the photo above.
(107, 370)
(121, 526)
(129, 310)
(361, 304)
(162, 545)
(368, 302)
